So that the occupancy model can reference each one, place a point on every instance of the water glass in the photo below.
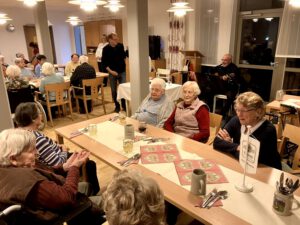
(122, 118)
(127, 145)
(92, 128)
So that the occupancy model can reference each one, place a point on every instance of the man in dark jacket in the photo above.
(83, 71)
(113, 59)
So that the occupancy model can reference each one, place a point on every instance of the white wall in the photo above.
(13, 42)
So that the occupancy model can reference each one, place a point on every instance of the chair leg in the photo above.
(77, 105)
(50, 115)
(103, 102)
(214, 106)
(86, 109)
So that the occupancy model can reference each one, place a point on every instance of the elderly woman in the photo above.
(50, 78)
(28, 117)
(131, 198)
(191, 116)
(156, 107)
(250, 111)
(42, 191)
(25, 72)
(13, 73)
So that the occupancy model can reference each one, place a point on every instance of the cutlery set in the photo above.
(288, 186)
(212, 197)
(130, 160)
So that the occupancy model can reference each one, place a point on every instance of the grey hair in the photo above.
(13, 71)
(13, 142)
(18, 60)
(48, 69)
(159, 81)
(83, 59)
(19, 55)
(193, 85)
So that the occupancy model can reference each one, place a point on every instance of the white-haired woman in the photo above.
(131, 198)
(191, 116)
(156, 107)
(50, 77)
(83, 71)
(250, 110)
(43, 191)
(13, 73)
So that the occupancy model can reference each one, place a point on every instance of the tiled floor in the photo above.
(104, 171)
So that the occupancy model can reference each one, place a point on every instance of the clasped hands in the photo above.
(76, 159)
(223, 134)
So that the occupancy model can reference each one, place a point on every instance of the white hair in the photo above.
(48, 69)
(159, 81)
(13, 142)
(13, 71)
(18, 60)
(83, 59)
(193, 85)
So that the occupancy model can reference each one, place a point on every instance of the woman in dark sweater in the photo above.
(250, 110)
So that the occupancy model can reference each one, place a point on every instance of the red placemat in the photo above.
(184, 169)
(159, 153)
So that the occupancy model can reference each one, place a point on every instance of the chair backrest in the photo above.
(61, 91)
(93, 85)
(291, 133)
(163, 73)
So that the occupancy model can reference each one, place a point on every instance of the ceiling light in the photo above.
(255, 20)
(295, 3)
(180, 8)
(73, 20)
(3, 18)
(269, 19)
(30, 3)
(88, 5)
(114, 5)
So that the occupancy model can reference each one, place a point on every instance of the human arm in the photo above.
(202, 116)
(231, 142)
(49, 151)
(170, 122)
(51, 195)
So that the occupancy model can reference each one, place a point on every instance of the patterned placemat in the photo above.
(165, 153)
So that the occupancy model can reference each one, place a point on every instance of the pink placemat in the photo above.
(184, 169)
(159, 153)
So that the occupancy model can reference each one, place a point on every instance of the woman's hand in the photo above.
(76, 159)
(223, 134)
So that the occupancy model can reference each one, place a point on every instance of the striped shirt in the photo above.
(49, 152)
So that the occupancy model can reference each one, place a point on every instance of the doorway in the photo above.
(256, 47)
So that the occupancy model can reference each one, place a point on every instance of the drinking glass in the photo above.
(142, 126)
(127, 145)
(122, 118)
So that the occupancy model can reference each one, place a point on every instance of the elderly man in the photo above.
(156, 107)
(25, 73)
(72, 65)
(226, 79)
(83, 71)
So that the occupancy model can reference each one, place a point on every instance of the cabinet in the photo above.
(95, 29)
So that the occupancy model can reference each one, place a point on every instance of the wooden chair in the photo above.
(62, 98)
(163, 73)
(291, 133)
(94, 84)
(214, 126)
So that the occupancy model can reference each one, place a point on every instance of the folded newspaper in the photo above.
(294, 103)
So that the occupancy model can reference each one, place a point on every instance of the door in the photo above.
(257, 41)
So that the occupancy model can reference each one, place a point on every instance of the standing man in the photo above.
(99, 51)
(226, 79)
(113, 59)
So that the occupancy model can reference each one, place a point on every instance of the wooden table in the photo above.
(275, 105)
(176, 194)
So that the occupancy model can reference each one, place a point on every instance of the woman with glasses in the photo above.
(250, 111)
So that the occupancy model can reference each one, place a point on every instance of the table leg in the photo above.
(59, 139)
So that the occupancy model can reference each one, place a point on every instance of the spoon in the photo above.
(220, 195)
(208, 197)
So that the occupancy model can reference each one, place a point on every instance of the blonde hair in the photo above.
(48, 69)
(252, 100)
(131, 199)
(13, 71)
(13, 142)
(193, 85)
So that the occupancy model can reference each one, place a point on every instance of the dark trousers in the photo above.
(121, 78)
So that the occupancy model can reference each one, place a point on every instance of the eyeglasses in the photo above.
(242, 110)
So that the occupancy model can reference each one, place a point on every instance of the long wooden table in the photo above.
(176, 194)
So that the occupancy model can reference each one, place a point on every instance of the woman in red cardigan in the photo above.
(191, 116)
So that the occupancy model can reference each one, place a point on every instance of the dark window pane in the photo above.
(247, 5)
(291, 81)
(258, 81)
(259, 38)
(292, 62)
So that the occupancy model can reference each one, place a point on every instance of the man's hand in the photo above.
(223, 134)
(112, 72)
